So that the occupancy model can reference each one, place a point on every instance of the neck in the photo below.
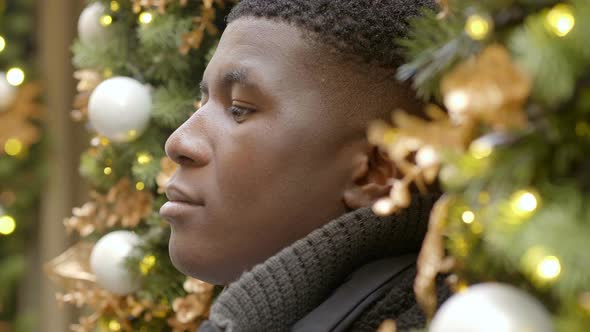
(277, 293)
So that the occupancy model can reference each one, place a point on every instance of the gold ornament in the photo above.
(88, 80)
(488, 88)
(72, 268)
(188, 308)
(202, 24)
(168, 167)
(123, 205)
(196, 286)
(388, 326)
(17, 132)
(431, 260)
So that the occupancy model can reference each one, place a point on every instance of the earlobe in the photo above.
(370, 180)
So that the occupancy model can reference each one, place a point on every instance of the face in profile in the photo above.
(268, 156)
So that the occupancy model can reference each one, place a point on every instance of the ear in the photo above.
(370, 180)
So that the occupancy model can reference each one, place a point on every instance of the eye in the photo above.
(240, 113)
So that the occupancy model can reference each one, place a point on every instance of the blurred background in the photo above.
(39, 181)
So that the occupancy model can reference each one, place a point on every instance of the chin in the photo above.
(189, 262)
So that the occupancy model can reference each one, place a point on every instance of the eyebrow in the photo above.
(238, 75)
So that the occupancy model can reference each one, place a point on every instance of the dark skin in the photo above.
(277, 149)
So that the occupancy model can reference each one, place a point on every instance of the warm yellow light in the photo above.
(480, 149)
(7, 225)
(115, 6)
(427, 157)
(457, 101)
(106, 20)
(383, 207)
(468, 217)
(582, 129)
(147, 263)
(560, 20)
(144, 158)
(146, 18)
(104, 141)
(107, 73)
(2, 43)
(13, 147)
(140, 186)
(108, 171)
(15, 76)
(524, 203)
(478, 27)
(132, 133)
(114, 325)
(484, 197)
(549, 268)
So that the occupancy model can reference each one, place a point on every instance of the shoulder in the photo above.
(380, 290)
(399, 304)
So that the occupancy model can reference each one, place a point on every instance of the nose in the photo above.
(188, 145)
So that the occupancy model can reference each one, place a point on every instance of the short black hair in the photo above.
(361, 29)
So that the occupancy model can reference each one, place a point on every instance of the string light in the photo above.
(484, 197)
(582, 129)
(140, 186)
(2, 43)
(427, 157)
(13, 147)
(132, 133)
(549, 268)
(144, 158)
(478, 27)
(147, 264)
(114, 325)
(524, 203)
(108, 171)
(560, 20)
(480, 149)
(104, 141)
(115, 6)
(7, 225)
(146, 18)
(15, 76)
(106, 20)
(541, 265)
(383, 207)
(457, 101)
(468, 217)
(107, 73)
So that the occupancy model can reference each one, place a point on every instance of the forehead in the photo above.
(256, 45)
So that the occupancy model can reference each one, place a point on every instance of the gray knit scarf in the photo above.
(277, 293)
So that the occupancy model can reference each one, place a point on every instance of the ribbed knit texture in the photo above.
(279, 292)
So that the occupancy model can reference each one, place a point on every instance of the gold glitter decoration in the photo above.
(388, 326)
(202, 24)
(431, 260)
(168, 167)
(487, 88)
(15, 122)
(122, 206)
(88, 80)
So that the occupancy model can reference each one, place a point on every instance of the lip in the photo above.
(180, 206)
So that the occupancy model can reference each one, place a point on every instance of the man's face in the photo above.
(266, 158)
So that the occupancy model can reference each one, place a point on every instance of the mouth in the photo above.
(180, 206)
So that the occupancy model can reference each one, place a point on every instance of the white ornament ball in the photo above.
(120, 108)
(89, 28)
(107, 262)
(492, 307)
(7, 93)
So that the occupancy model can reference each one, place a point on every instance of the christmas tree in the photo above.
(139, 67)
(508, 135)
(20, 157)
